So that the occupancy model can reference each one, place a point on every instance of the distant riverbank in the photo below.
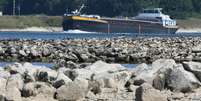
(42, 23)
(34, 29)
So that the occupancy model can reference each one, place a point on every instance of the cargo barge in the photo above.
(148, 21)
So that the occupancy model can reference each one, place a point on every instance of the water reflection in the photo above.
(49, 65)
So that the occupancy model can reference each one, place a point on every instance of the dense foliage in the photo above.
(176, 8)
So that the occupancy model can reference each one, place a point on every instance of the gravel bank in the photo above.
(137, 50)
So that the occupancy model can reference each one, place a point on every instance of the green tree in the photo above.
(177, 8)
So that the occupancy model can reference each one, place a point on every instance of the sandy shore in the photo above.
(36, 29)
(189, 30)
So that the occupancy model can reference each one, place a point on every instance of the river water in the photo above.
(67, 35)
(51, 65)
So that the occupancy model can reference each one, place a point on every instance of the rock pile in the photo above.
(164, 80)
(134, 50)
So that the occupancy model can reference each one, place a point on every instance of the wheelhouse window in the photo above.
(157, 10)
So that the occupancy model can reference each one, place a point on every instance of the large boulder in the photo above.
(38, 88)
(27, 70)
(13, 87)
(72, 74)
(147, 93)
(71, 65)
(46, 51)
(108, 94)
(193, 67)
(4, 74)
(61, 79)
(182, 80)
(159, 69)
(23, 53)
(3, 88)
(15, 68)
(101, 67)
(39, 98)
(45, 74)
(140, 68)
(15, 81)
(84, 73)
(2, 51)
(116, 80)
(13, 94)
(34, 52)
(72, 91)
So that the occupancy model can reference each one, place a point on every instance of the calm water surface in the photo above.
(51, 65)
(63, 35)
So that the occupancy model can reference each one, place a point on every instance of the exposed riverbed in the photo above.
(140, 67)
(121, 50)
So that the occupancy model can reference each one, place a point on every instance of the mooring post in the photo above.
(139, 30)
(168, 30)
(108, 28)
(14, 8)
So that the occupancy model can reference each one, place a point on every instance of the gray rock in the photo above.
(22, 68)
(2, 51)
(196, 49)
(73, 90)
(13, 87)
(2, 86)
(13, 94)
(72, 74)
(147, 93)
(116, 80)
(4, 74)
(71, 65)
(71, 57)
(39, 98)
(140, 68)
(177, 96)
(157, 72)
(46, 52)
(162, 64)
(2, 98)
(160, 80)
(38, 88)
(35, 53)
(182, 80)
(46, 75)
(32, 73)
(101, 67)
(15, 81)
(61, 79)
(84, 73)
(83, 65)
(15, 68)
(11, 50)
(193, 67)
(84, 57)
(23, 53)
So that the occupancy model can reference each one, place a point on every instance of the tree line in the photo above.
(110, 8)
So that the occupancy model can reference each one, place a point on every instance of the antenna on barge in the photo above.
(14, 7)
(78, 12)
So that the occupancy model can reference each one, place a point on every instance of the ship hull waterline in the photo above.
(114, 26)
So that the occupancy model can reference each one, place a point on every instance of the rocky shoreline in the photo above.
(163, 80)
(120, 50)
(85, 70)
